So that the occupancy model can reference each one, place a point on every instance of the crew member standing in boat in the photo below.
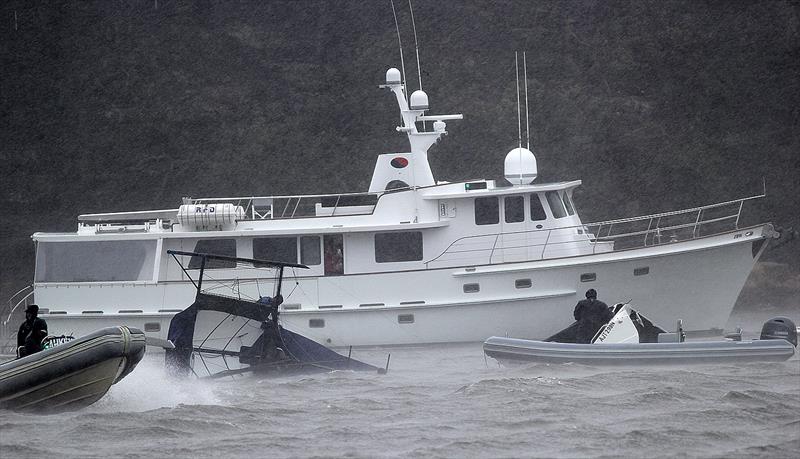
(591, 314)
(31, 332)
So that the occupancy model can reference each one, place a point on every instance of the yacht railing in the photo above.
(299, 206)
(8, 327)
(591, 238)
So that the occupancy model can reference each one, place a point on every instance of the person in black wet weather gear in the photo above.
(591, 314)
(31, 332)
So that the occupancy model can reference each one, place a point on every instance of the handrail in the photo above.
(6, 337)
(593, 238)
(9, 308)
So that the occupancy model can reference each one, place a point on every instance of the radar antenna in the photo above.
(400, 44)
(416, 44)
(519, 120)
(527, 122)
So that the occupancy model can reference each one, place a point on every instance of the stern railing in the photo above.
(8, 326)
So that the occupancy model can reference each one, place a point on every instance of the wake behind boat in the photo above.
(221, 335)
(72, 375)
(630, 339)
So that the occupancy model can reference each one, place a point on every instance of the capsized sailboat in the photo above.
(631, 339)
(225, 334)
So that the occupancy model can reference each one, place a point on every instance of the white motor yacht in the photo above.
(412, 260)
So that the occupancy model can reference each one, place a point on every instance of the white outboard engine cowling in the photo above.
(780, 328)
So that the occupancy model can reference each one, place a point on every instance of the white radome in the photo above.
(419, 100)
(393, 76)
(520, 166)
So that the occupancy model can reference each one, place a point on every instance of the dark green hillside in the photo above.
(126, 105)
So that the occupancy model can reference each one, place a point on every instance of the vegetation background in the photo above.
(130, 105)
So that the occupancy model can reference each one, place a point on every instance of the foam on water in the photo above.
(149, 387)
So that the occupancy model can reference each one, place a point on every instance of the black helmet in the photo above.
(32, 308)
(591, 293)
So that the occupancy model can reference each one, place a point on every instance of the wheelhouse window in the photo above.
(95, 261)
(537, 211)
(568, 203)
(281, 249)
(395, 247)
(514, 207)
(556, 206)
(224, 247)
(309, 250)
(487, 211)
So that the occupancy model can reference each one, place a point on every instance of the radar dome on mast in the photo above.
(393, 76)
(520, 166)
(419, 100)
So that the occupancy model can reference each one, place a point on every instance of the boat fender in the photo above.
(780, 328)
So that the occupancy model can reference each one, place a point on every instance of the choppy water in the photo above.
(443, 401)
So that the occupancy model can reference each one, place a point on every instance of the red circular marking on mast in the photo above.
(399, 162)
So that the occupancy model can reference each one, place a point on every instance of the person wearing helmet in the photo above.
(591, 314)
(31, 332)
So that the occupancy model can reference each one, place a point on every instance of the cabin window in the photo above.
(280, 249)
(568, 203)
(643, 271)
(394, 247)
(588, 277)
(487, 211)
(537, 211)
(224, 247)
(316, 323)
(405, 319)
(396, 185)
(523, 283)
(309, 250)
(152, 327)
(95, 261)
(472, 288)
(514, 207)
(334, 254)
(556, 206)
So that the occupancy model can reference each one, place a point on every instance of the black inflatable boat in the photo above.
(72, 375)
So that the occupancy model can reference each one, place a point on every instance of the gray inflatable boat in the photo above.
(72, 375)
(630, 339)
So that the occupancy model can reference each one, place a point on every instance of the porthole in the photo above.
(130, 311)
(523, 283)
(588, 277)
(290, 306)
(316, 323)
(152, 327)
(405, 319)
(330, 306)
(472, 288)
(643, 271)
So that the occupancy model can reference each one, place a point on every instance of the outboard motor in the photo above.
(780, 328)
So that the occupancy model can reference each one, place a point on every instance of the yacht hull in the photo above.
(697, 281)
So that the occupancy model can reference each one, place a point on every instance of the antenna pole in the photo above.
(519, 119)
(400, 44)
(527, 123)
(416, 44)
